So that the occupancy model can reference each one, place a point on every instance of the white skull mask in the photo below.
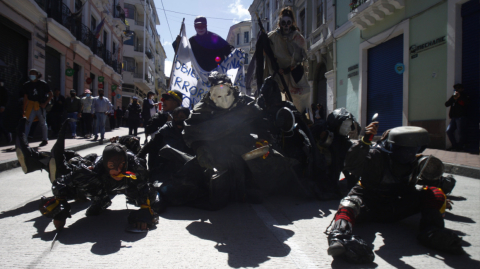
(346, 127)
(222, 96)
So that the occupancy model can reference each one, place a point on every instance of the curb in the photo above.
(462, 170)
(10, 164)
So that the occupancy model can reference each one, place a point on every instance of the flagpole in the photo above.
(175, 56)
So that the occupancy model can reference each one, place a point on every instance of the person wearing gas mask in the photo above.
(291, 136)
(101, 107)
(149, 109)
(206, 46)
(290, 50)
(219, 130)
(99, 177)
(340, 123)
(170, 134)
(134, 113)
(170, 100)
(36, 96)
(386, 192)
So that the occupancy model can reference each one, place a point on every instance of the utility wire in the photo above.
(194, 15)
(166, 20)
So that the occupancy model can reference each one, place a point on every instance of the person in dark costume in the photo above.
(387, 192)
(100, 178)
(207, 46)
(171, 100)
(134, 111)
(170, 134)
(219, 131)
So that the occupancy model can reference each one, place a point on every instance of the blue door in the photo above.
(471, 70)
(385, 85)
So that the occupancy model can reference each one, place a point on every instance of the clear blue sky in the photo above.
(231, 12)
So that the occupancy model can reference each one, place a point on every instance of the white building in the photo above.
(143, 54)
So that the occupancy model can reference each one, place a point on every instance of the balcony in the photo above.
(62, 14)
(138, 48)
(139, 23)
(365, 13)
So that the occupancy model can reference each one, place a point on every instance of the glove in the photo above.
(441, 239)
(55, 208)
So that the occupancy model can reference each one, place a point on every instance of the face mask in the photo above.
(346, 127)
(403, 155)
(32, 77)
(285, 24)
(87, 95)
(222, 96)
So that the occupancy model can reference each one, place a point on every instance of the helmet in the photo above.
(408, 136)
(117, 154)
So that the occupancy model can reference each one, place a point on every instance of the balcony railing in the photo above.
(140, 23)
(137, 75)
(138, 48)
(356, 3)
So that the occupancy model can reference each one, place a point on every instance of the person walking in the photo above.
(56, 113)
(36, 96)
(112, 119)
(74, 110)
(458, 103)
(101, 107)
(148, 111)
(134, 111)
(3, 105)
(119, 116)
(87, 115)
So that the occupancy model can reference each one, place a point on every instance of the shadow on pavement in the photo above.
(106, 231)
(400, 241)
(237, 231)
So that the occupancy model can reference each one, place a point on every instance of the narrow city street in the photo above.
(283, 232)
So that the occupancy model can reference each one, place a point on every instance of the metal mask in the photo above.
(222, 96)
(346, 127)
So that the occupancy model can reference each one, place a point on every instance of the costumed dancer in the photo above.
(387, 192)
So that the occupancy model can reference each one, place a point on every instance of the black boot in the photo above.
(57, 163)
(30, 159)
(434, 235)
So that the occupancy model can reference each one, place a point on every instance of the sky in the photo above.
(228, 12)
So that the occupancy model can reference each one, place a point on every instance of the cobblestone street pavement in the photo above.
(283, 232)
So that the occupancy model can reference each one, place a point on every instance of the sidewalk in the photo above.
(8, 158)
(458, 163)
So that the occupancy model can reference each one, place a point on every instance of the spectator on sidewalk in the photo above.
(3, 105)
(148, 111)
(36, 95)
(119, 115)
(56, 113)
(87, 116)
(112, 119)
(101, 107)
(74, 111)
(125, 117)
(134, 111)
(458, 103)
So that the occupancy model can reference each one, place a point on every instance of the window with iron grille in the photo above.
(302, 22)
(238, 39)
(246, 37)
(128, 64)
(319, 11)
(129, 11)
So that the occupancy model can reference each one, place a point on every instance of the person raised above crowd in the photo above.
(208, 48)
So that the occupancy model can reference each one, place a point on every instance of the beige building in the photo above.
(144, 56)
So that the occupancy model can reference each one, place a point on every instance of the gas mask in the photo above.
(286, 24)
(403, 155)
(222, 96)
(346, 127)
(32, 77)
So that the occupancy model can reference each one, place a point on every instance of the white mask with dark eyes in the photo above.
(286, 24)
(346, 127)
(222, 96)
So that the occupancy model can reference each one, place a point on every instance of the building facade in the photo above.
(240, 36)
(63, 41)
(144, 56)
(401, 59)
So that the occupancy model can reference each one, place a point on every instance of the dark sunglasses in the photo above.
(284, 23)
